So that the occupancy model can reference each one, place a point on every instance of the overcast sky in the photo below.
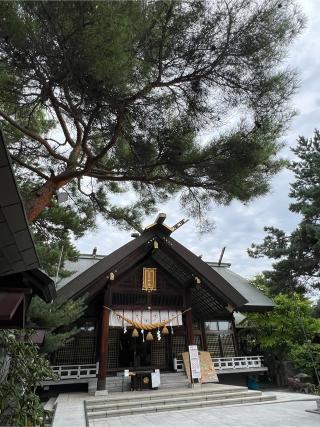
(237, 226)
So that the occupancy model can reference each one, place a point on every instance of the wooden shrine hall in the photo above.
(146, 302)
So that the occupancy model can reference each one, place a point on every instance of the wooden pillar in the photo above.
(204, 336)
(188, 319)
(235, 337)
(103, 353)
(189, 331)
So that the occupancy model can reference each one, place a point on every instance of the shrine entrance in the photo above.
(133, 352)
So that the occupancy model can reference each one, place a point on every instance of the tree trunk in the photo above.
(42, 197)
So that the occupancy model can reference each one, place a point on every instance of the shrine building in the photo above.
(146, 302)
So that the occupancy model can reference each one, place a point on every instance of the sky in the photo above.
(238, 225)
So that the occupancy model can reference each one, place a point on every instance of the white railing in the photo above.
(220, 363)
(245, 362)
(228, 363)
(69, 372)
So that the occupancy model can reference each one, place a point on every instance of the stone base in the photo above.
(195, 385)
(92, 386)
(102, 384)
(101, 393)
(317, 410)
(313, 411)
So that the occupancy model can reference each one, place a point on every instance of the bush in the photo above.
(19, 403)
(306, 358)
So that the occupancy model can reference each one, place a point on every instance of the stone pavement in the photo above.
(287, 411)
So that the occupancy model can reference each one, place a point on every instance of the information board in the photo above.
(194, 362)
(208, 372)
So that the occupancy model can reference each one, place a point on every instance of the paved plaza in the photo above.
(288, 411)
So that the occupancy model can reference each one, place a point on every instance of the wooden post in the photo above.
(189, 331)
(188, 319)
(104, 341)
(235, 337)
(204, 336)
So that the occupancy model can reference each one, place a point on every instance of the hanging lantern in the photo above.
(135, 333)
(149, 337)
(165, 330)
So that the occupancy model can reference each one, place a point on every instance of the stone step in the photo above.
(168, 381)
(206, 389)
(167, 401)
(178, 406)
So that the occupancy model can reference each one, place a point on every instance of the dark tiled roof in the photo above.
(124, 258)
(17, 251)
(257, 301)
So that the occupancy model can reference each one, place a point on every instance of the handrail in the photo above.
(220, 363)
(228, 363)
(75, 371)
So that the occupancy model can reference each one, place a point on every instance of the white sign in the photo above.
(155, 378)
(194, 361)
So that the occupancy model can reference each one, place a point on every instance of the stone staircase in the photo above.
(132, 403)
(168, 380)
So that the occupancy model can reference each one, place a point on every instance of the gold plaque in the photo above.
(149, 279)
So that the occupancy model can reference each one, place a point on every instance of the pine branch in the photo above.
(34, 136)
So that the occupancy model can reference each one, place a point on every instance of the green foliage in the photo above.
(130, 86)
(297, 255)
(57, 319)
(19, 404)
(316, 309)
(289, 324)
(261, 283)
(54, 229)
(306, 358)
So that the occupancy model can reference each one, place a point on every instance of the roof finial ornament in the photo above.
(179, 224)
(221, 256)
(161, 218)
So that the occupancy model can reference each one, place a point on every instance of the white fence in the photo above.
(228, 363)
(220, 363)
(69, 372)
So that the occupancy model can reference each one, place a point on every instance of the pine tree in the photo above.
(57, 319)
(297, 255)
(129, 86)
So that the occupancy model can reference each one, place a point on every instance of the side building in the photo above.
(151, 279)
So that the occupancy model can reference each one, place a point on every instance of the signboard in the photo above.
(194, 362)
(208, 372)
(155, 378)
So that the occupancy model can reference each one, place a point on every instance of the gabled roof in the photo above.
(169, 249)
(17, 251)
(257, 301)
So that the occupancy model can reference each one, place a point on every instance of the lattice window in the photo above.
(178, 345)
(227, 345)
(79, 351)
(213, 345)
(158, 352)
(113, 347)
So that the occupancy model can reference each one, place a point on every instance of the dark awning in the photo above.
(12, 307)
(9, 303)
